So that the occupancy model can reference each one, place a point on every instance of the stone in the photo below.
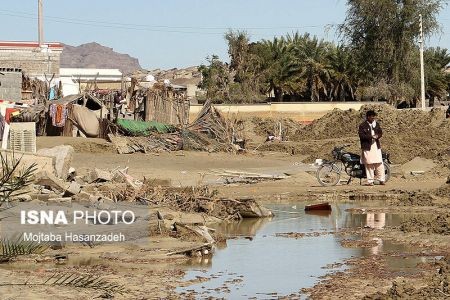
(122, 177)
(73, 189)
(72, 174)
(97, 175)
(85, 199)
(40, 197)
(49, 180)
(22, 198)
(42, 163)
(61, 200)
(63, 158)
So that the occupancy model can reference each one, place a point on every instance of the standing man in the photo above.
(369, 134)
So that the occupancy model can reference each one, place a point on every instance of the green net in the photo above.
(140, 128)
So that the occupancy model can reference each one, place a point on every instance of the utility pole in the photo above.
(422, 68)
(40, 23)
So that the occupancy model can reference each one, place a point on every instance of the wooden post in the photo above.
(111, 107)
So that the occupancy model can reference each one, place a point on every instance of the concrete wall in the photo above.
(299, 111)
(32, 62)
(43, 162)
(11, 84)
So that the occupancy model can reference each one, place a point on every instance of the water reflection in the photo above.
(242, 228)
(377, 221)
(267, 263)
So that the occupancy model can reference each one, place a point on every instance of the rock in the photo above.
(122, 177)
(448, 180)
(49, 180)
(42, 162)
(104, 206)
(22, 198)
(97, 175)
(57, 245)
(82, 196)
(73, 189)
(63, 158)
(79, 180)
(251, 209)
(41, 197)
(37, 202)
(86, 199)
(63, 200)
(72, 174)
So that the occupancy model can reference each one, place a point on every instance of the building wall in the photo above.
(11, 84)
(302, 112)
(34, 63)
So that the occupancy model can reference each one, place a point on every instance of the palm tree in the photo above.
(437, 80)
(279, 67)
(311, 54)
(343, 74)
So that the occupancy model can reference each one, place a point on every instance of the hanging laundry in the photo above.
(52, 94)
(58, 113)
(10, 112)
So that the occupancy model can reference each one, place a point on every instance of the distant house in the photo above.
(74, 79)
(34, 60)
(11, 84)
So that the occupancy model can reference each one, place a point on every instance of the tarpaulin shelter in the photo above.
(74, 115)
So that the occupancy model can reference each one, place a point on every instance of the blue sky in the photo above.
(176, 33)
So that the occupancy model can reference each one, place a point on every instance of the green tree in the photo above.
(216, 79)
(383, 35)
(344, 74)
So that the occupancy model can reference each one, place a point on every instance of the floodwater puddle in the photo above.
(259, 263)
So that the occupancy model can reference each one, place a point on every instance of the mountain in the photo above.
(94, 55)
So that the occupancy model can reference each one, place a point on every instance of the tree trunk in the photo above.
(278, 94)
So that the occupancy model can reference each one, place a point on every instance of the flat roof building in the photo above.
(34, 60)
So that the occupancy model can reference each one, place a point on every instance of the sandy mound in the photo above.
(407, 133)
(427, 224)
(81, 145)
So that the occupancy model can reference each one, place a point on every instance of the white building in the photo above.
(73, 79)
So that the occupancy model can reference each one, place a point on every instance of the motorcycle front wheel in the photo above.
(387, 171)
(328, 174)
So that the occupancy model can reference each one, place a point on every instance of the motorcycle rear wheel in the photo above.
(328, 174)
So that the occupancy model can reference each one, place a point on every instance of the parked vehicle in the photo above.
(329, 173)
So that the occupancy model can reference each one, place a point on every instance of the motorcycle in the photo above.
(329, 172)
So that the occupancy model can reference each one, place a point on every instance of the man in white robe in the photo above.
(370, 134)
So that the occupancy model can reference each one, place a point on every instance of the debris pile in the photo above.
(150, 143)
(209, 132)
(282, 129)
(406, 133)
(219, 132)
(231, 176)
(194, 200)
(61, 184)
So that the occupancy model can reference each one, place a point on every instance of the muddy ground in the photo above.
(143, 267)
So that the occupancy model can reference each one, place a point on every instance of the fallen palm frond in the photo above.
(87, 281)
(13, 179)
(13, 248)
